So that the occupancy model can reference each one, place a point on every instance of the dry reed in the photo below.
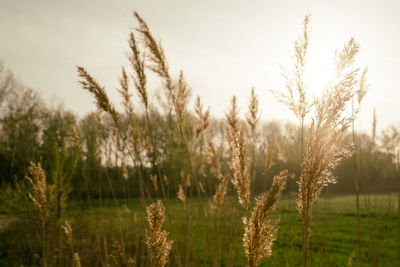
(220, 193)
(68, 233)
(156, 238)
(39, 187)
(252, 119)
(296, 97)
(102, 100)
(260, 229)
(202, 117)
(324, 150)
(239, 163)
(240, 168)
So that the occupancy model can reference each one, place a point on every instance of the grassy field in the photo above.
(217, 238)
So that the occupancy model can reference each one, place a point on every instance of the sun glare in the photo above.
(319, 69)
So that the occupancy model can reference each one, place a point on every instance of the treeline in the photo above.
(96, 158)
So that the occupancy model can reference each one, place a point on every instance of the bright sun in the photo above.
(319, 69)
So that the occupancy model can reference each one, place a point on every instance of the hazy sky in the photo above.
(224, 47)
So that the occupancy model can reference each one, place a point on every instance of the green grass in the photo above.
(333, 230)
(97, 226)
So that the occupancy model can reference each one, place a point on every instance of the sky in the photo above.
(224, 47)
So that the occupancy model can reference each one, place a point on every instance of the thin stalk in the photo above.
(357, 189)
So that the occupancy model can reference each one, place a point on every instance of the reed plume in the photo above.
(260, 229)
(181, 99)
(220, 193)
(74, 137)
(156, 238)
(102, 100)
(202, 117)
(77, 260)
(213, 159)
(232, 121)
(126, 95)
(39, 189)
(240, 168)
(181, 195)
(138, 64)
(42, 200)
(68, 233)
(329, 125)
(239, 163)
(156, 56)
(215, 169)
(252, 117)
(296, 86)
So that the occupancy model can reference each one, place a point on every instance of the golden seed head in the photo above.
(240, 168)
(260, 229)
(38, 181)
(156, 238)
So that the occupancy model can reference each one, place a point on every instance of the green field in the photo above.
(333, 237)
(216, 238)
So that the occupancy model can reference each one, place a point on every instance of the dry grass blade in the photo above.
(156, 238)
(260, 230)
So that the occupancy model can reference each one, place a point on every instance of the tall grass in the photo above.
(177, 93)
(207, 217)
(329, 123)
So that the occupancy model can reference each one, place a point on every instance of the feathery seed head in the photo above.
(220, 193)
(102, 100)
(181, 194)
(252, 116)
(240, 167)
(260, 229)
(156, 238)
(213, 159)
(137, 62)
(296, 98)
(38, 195)
(202, 118)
